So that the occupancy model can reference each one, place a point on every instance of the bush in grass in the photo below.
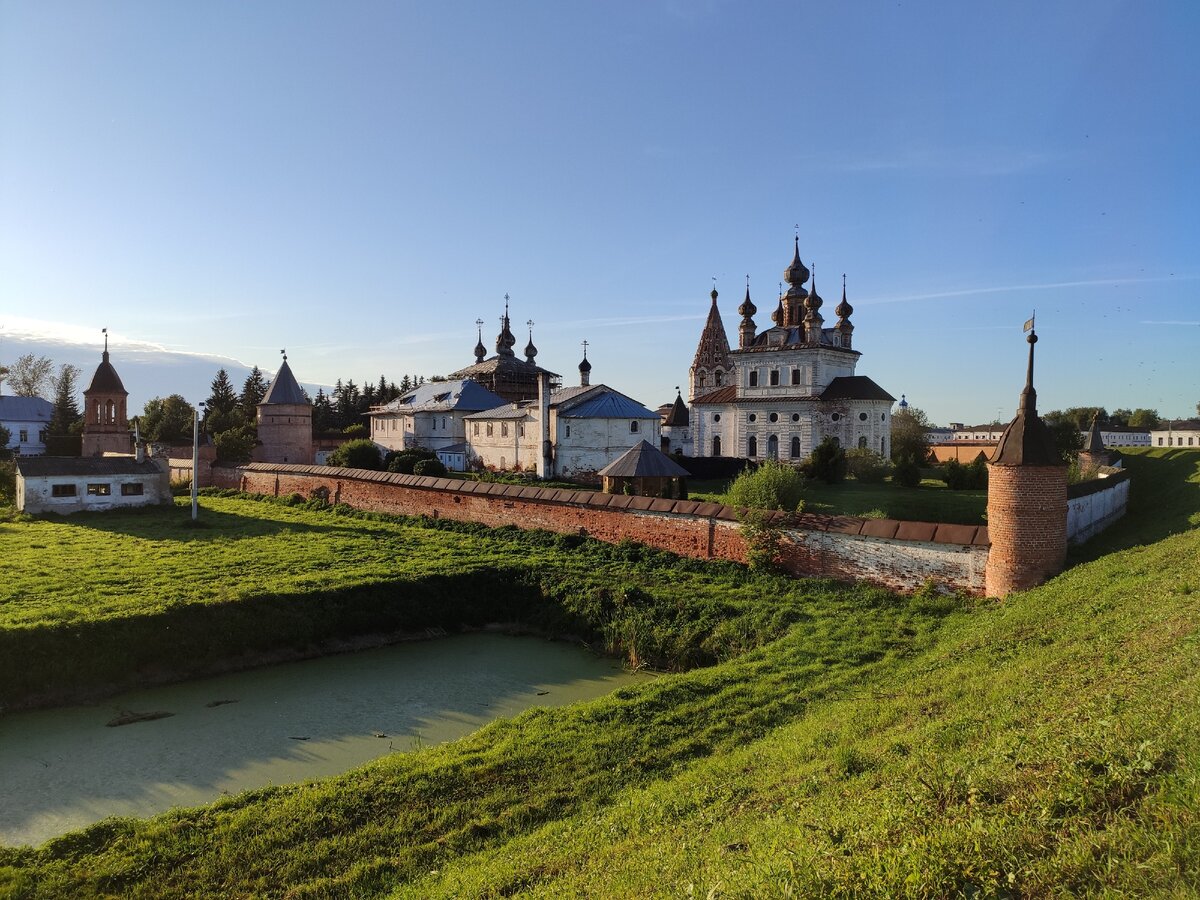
(359, 454)
(772, 485)
(867, 466)
(958, 477)
(828, 461)
(906, 473)
(403, 461)
(430, 467)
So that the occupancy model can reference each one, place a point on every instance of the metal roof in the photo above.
(608, 405)
(284, 388)
(106, 380)
(443, 396)
(49, 466)
(25, 409)
(643, 460)
(855, 387)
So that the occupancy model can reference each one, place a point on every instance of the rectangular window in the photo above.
(489, 429)
(133, 489)
(1160, 442)
(753, 378)
(522, 428)
(774, 377)
(99, 490)
(42, 436)
(62, 490)
(503, 429)
(475, 428)
(24, 437)
(795, 376)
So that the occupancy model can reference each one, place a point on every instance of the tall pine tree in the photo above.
(66, 408)
(221, 411)
(253, 391)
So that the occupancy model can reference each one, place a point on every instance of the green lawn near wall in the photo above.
(847, 742)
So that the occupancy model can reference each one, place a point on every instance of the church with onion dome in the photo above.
(788, 387)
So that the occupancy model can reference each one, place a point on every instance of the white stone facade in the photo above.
(70, 485)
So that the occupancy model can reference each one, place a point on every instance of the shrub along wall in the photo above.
(897, 555)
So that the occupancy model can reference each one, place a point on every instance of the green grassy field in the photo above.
(931, 501)
(880, 746)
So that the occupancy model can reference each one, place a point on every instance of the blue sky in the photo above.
(360, 181)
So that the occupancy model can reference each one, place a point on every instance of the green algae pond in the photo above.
(63, 769)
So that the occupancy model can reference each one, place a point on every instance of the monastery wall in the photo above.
(1094, 505)
(897, 555)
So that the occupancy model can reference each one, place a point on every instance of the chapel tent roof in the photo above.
(105, 379)
(46, 466)
(25, 409)
(678, 415)
(643, 460)
(284, 388)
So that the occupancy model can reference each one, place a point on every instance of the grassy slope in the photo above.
(1041, 746)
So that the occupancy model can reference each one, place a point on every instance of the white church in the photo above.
(786, 388)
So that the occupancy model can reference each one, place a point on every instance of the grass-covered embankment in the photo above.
(94, 602)
(1044, 746)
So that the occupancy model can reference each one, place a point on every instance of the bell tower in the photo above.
(105, 425)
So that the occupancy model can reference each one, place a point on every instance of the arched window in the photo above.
(633, 427)
(753, 378)
(837, 442)
(701, 379)
(718, 378)
(795, 446)
(752, 446)
(568, 434)
(862, 443)
(773, 447)
(716, 445)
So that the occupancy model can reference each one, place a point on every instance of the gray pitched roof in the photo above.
(643, 461)
(596, 401)
(284, 388)
(44, 466)
(443, 396)
(25, 409)
(854, 387)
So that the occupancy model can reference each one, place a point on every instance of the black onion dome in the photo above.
(585, 366)
(844, 310)
(747, 309)
(797, 273)
(813, 301)
(530, 350)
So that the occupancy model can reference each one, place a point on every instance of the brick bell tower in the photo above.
(105, 426)
(1027, 500)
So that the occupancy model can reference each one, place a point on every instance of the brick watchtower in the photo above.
(105, 426)
(1027, 501)
(284, 421)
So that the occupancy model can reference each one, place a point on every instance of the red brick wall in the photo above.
(1027, 522)
(898, 555)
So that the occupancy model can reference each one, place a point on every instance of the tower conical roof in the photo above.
(713, 349)
(106, 380)
(284, 387)
(1027, 441)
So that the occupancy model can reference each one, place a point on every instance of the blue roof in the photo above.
(25, 409)
(443, 396)
(608, 405)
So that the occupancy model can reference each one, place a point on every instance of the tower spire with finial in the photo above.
(585, 368)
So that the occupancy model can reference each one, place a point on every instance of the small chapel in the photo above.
(788, 387)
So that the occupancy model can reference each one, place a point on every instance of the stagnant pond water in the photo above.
(62, 769)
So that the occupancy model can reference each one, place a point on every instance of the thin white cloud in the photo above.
(1014, 288)
(1166, 322)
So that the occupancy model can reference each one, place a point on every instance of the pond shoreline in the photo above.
(160, 676)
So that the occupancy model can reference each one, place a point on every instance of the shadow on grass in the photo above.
(1164, 499)
(165, 523)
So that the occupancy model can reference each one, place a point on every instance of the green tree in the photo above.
(359, 454)
(434, 468)
(1144, 418)
(322, 414)
(236, 445)
(906, 472)
(167, 419)
(30, 376)
(909, 438)
(5, 437)
(866, 465)
(221, 410)
(1065, 433)
(66, 408)
(828, 461)
(253, 390)
(1119, 418)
